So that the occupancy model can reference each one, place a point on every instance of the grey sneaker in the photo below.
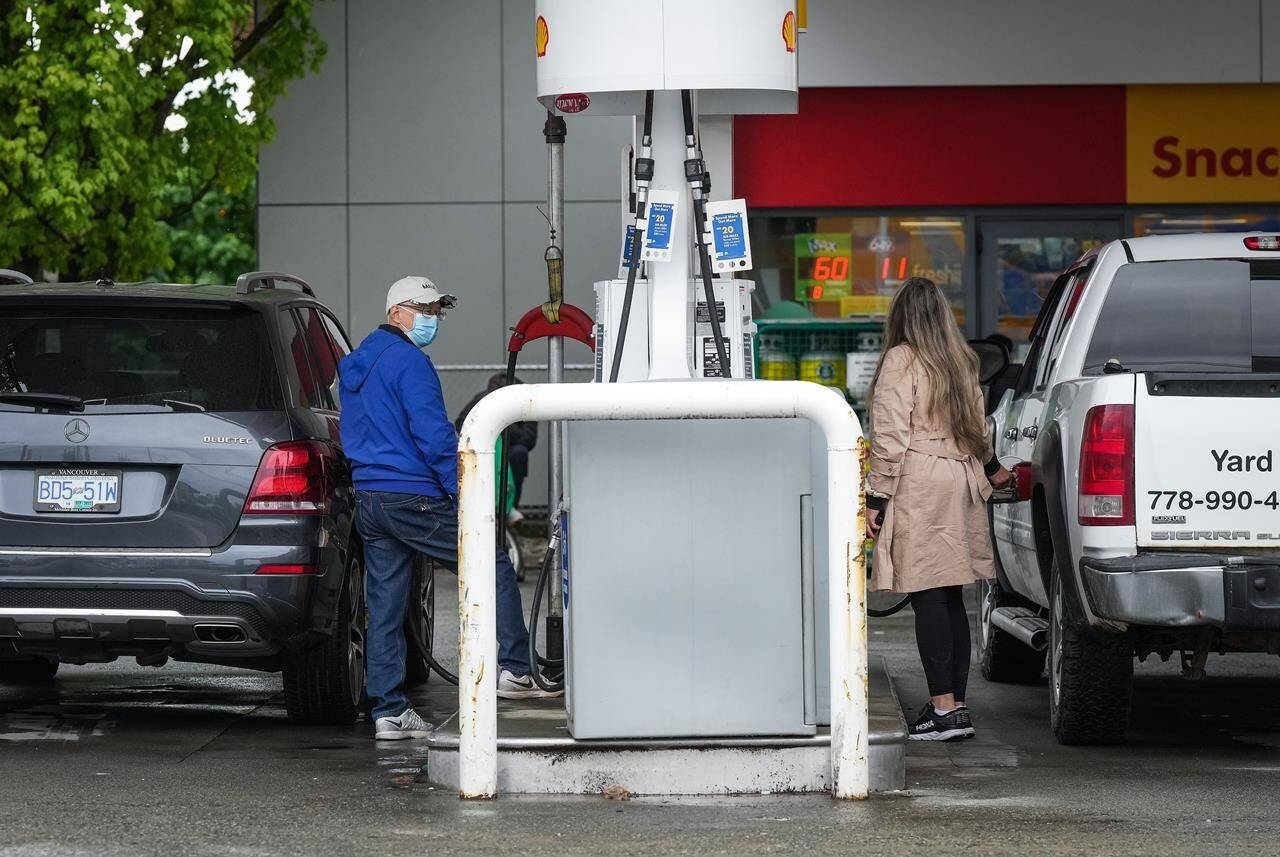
(512, 686)
(407, 725)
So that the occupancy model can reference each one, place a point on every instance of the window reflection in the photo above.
(851, 266)
(1181, 222)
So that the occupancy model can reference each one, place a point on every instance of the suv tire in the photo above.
(1090, 677)
(28, 671)
(1000, 656)
(325, 683)
(420, 626)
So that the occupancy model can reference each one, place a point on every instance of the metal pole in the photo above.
(555, 131)
(662, 400)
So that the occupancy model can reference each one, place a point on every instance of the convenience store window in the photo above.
(851, 266)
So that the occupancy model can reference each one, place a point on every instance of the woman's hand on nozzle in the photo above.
(1001, 477)
(875, 518)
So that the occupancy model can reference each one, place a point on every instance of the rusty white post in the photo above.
(477, 619)
(660, 400)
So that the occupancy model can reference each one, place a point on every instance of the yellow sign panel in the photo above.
(1203, 143)
(865, 305)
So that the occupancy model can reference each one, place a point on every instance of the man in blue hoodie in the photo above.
(404, 462)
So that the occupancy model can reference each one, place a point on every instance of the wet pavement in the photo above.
(119, 759)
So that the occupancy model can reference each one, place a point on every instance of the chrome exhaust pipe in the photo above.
(219, 633)
(1023, 625)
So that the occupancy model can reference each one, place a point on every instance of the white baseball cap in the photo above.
(418, 290)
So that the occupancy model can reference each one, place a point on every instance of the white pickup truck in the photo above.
(1144, 427)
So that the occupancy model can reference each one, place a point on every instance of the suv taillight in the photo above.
(292, 479)
(1106, 467)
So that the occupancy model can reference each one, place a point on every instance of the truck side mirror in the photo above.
(993, 359)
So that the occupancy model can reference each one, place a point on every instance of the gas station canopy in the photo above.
(739, 55)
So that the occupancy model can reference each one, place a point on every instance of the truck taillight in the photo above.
(292, 479)
(1262, 242)
(1106, 467)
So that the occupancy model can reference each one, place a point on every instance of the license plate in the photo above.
(77, 489)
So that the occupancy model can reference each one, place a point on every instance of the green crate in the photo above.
(811, 349)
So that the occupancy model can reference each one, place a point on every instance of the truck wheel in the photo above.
(1090, 678)
(419, 627)
(325, 683)
(1000, 656)
(28, 671)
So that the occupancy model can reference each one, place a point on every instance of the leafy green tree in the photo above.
(213, 241)
(117, 120)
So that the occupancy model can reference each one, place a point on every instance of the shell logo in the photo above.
(789, 31)
(541, 35)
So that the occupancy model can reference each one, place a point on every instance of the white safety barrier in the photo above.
(660, 400)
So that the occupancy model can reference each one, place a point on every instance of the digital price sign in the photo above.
(824, 266)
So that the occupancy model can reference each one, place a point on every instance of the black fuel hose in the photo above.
(637, 238)
(699, 218)
(536, 661)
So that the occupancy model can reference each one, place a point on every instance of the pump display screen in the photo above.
(856, 271)
(824, 266)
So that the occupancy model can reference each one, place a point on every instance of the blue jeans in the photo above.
(395, 529)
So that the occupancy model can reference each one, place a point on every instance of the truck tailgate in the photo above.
(1205, 461)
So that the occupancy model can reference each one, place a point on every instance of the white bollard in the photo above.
(660, 400)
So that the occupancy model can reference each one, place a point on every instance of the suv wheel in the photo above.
(420, 626)
(325, 684)
(1000, 656)
(28, 671)
(1090, 677)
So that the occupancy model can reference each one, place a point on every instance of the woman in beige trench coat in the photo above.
(932, 470)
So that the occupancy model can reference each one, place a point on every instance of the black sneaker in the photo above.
(932, 726)
(962, 716)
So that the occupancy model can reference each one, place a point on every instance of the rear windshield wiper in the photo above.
(173, 404)
(44, 400)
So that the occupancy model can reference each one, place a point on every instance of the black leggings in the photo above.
(942, 635)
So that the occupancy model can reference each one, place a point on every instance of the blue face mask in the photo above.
(424, 329)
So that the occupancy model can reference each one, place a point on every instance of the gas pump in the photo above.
(668, 579)
(707, 646)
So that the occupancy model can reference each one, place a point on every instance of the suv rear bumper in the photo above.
(1185, 590)
(94, 605)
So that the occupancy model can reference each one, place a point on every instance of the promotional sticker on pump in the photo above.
(660, 219)
(624, 263)
(730, 242)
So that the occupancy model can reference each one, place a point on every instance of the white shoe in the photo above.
(407, 725)
(511, 686)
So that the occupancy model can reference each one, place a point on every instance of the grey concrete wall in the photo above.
(1000, 42)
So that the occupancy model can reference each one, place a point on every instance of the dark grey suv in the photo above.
(171, 484)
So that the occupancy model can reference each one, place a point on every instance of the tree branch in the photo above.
(165, 105)
(182, 210)
(44, 221)
(259, 31)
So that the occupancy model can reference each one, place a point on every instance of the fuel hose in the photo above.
(695, 173)
(643, 175)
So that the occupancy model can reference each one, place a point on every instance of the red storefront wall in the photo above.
(944, 146)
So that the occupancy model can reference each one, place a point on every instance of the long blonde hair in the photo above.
(920, 316)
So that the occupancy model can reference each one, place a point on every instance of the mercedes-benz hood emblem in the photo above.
(77, 431)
